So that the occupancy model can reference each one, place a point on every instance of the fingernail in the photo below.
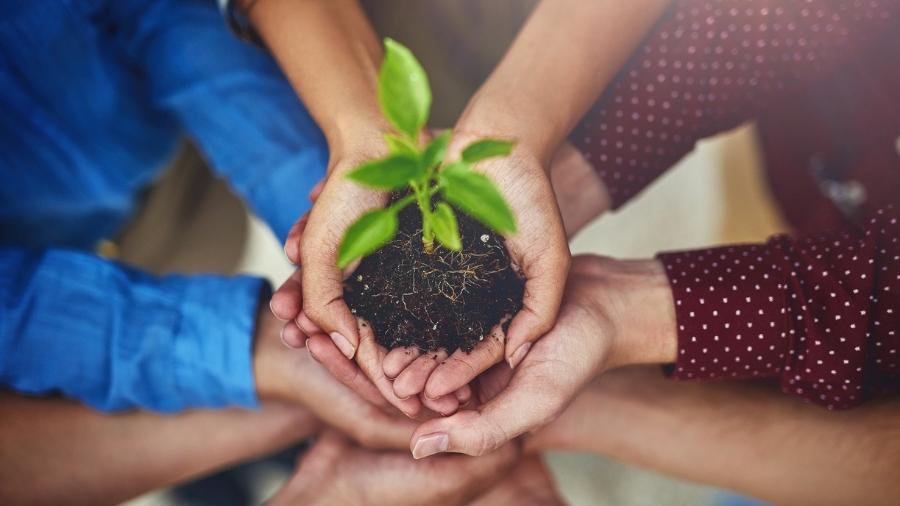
(283, 340)
(429, 445)
(272, 310)
(518, 355)
(343, 344)
(311, 354)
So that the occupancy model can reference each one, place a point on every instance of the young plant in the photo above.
(421, 174)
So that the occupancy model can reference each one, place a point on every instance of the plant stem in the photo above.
(423, 198)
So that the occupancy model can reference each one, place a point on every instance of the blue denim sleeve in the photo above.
(233, 101)
(116, 338)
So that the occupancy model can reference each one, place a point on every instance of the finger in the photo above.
(323, 350)
(466, 478)
(316, 191)
(329, 447)
(412, 380)
(491, 382)
(446, 405)
(307, 325)
(292, 336)
(464, 394)
(323, 303)
(288, 299)
(512, 413)
(540, 304)
(398, 359)
(462, 367)
(370, 358)
(292, 242)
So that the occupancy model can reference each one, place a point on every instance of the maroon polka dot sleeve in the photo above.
(822, 314)
(710, 65)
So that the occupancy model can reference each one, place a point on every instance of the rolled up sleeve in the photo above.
(116, 338)
(232, 100)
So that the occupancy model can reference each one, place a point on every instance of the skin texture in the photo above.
(514, 104)
(614, 313)
(58, 452)
(582, 198)
(335, 472)
(789, 452)
(334, 69)
(331, 55)
(292, 375)
(528, 484)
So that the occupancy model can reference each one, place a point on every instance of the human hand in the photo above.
(299, 330)
(601, 404)
(614, 313)
(539, 248)
(292, 375)
(581, 196)
(527, 484)
(334, 471)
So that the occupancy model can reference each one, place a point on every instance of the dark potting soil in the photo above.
(445, 299)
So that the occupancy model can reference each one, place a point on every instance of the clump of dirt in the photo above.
(444, 299)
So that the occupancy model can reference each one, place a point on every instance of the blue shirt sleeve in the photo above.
(233, 101)
(116, 338)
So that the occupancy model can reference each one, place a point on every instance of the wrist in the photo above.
(505, 116)
(267, 350)
(356, 136)
(645, 326)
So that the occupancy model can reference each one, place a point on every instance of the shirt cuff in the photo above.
(213, 344)
(116, 338)
(731, 315)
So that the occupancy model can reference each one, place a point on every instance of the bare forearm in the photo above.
(331, 55)
(742, 436)
(560, 63)
(58, 452)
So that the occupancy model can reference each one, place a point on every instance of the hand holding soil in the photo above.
(539, 249)
(614, 313)
(418, 286)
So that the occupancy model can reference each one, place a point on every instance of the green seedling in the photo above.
(421, 174)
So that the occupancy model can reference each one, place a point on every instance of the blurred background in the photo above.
(191, 221)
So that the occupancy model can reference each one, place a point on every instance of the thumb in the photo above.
(323, 303)
(329, 446)
(516, 410)
(544, 287)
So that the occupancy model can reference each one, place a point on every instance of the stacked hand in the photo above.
(334, 471)
(403, 374)
(570, 175)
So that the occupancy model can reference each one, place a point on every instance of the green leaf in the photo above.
(486, 148)
(445, 227)
(476, 195)
(388, 173)
(436, 150)
(369, 233)
(403, 90)
(400, 145)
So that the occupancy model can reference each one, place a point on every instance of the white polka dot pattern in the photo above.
(711, 65)
(822, 314)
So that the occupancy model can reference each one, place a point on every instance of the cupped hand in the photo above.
(539, 249)
(334, 471)
(339, 203)
(581, 196)
(340, 396)
(614, 313)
